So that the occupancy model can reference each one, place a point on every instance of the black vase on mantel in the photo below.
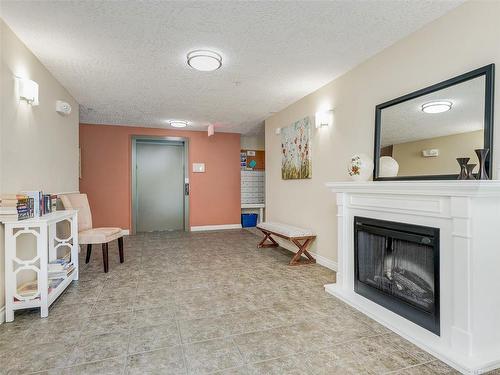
(482, 154)
(470, 174)
(463, 168)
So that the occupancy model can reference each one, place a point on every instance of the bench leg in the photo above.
(267, 237)
(296, 260)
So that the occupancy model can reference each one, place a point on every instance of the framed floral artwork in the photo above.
(296, 162)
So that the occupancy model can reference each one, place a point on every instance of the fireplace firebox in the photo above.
(397, 266)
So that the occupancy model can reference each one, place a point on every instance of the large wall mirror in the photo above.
(420, 135)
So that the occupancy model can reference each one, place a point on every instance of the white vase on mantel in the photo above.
(360, 167)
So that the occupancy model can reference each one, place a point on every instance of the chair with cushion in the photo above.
(90, 236)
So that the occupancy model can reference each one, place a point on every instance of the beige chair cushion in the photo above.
(99, 235)
(81, 203)
(285, 229)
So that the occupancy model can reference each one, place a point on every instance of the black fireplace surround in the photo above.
(396, 265)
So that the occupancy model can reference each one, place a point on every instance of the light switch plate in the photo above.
(198, 167)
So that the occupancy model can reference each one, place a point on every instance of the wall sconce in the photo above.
(324, 119)
(211, 130)
(28, 90)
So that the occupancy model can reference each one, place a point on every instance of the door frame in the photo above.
(166, 141)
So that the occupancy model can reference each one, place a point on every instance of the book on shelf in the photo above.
(28, 204)
(54, 283)
(8, 210)
(60, 268)
(28, 289)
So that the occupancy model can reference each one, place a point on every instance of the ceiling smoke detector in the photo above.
(204, 60)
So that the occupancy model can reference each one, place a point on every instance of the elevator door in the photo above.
(160, 186)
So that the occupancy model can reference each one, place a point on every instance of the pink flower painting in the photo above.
(296, 150)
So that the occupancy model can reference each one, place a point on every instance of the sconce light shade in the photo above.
(28, 90)
(324, 118)
(211, 130)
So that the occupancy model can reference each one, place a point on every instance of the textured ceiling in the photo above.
(405, 122)
(124, 61)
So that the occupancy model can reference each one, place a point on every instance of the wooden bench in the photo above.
(300, 237)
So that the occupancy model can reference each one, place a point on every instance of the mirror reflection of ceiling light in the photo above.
(437, 106)
(178, 123)
(204, 60)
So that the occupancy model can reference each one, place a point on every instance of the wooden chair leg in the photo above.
(120, 249)
(105, 257)
(89, 252)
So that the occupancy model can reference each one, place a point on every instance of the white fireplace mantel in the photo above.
(468, 216)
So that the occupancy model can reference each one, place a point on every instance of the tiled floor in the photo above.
(185, 303)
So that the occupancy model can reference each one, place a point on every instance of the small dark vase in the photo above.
(482, 154)
(470, 168)
(463, 168)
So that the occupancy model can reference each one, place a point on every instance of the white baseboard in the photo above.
(215, 227)
(2, 315)
(325, 262)
(125, 232)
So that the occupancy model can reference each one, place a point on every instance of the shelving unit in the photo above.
(47, 243)
(253, 192)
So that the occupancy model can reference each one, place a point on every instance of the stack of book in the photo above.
(59, 269)
(42, 203)
(9, 205)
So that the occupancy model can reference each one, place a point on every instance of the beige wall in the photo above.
(466, 38)
(411, 162)
(38, 147)
(253, 142)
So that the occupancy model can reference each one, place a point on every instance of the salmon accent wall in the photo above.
(106, 152)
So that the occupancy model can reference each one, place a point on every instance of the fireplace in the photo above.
(397, 266)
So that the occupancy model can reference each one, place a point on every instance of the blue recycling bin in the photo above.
(249, 220)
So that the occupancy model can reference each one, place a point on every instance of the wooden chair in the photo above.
(91, 236)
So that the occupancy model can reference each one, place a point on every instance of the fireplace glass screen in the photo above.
(397, 266)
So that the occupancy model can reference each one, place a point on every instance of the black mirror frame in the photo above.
(489, 72)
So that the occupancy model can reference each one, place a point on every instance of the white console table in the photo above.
(47, 243)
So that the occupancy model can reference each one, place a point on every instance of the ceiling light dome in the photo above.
(437, 106)
(178, 123)
(204, 60)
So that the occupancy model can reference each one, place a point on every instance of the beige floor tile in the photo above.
(154, 337)
(240, 311)
(161, 362)
(99, 347)
(213, 355)
(113, 366)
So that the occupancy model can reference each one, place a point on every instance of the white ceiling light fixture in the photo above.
(204, 60)
(178, 123)
(437, 106)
